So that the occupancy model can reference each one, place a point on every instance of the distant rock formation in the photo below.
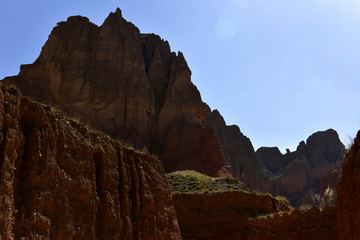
(298, 175)
(348, 199)
(59, 180)
(127, 84)
(222, 215)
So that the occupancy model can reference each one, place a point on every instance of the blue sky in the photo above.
(279, 69)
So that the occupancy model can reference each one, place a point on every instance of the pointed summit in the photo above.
(118, 12)
(115, 17)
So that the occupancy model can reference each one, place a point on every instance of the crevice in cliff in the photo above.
(120, 187)
(98, 161)
(21, 176)
(135, 196)
(99, 169)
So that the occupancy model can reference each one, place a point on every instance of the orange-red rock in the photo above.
(221, 215)
(311, 225)
(348, 199)
(59, 180)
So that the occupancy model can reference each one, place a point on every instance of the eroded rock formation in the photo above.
(239, 154)
(222, 215)
(311, 225)
(347, 204)
(297, 175)
(127, 84)
(59, 180)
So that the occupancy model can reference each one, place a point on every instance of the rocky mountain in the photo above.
(59, 180)
(300, 175)
(127, 84)
(132, 87)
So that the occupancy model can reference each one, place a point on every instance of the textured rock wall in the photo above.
(311, 225)
(127, 84)
(221, 215)
(59, 180)
(348, 200)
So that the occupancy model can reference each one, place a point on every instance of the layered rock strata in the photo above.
(59, 180)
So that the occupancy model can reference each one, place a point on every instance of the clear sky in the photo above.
(279, 69)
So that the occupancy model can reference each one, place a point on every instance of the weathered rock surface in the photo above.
(58, 180)
(222, 215)
(239, 154)
(127, 84)
(348, 199)
(311, 225)
(297, 175)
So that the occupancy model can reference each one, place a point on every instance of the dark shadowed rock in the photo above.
(222, 215)
(239, 155)
(348, 199)
(310, 225)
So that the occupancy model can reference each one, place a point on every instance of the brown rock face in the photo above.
(311, 225)
(239, 155)
(58, 180)
(348, 199)
(127, 84)
(221, 215)
(298, 175)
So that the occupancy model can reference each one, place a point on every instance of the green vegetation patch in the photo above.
(191, 182)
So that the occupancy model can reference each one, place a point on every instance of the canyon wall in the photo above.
(348, 200)
(310, 225)
(60, 180)
(222, 215)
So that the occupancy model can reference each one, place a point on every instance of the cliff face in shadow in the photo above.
(348, 199)
(310, 225)
(222, 215)
(301, 174)
(239, 155)
(127, 84)
(59, 180)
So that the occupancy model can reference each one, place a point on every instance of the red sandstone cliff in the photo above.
(348, 200)
(222, 215)
(127, 84)
(311, 225)
(59, 180)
